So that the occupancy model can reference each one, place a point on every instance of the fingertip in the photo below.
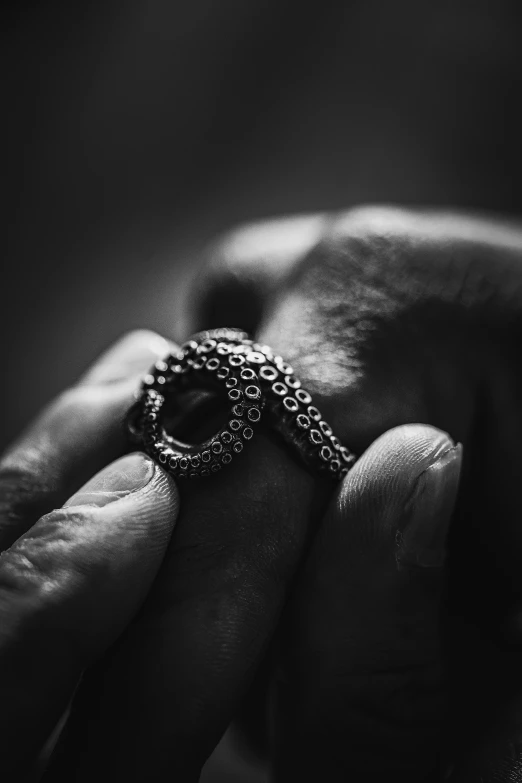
(367, 631)
(161, 500)
(118, 479)
(145, 507)
(383, 479)
(150, 495)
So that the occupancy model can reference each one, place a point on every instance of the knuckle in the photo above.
(139, 342)
(68, 412)
(34, 561)
(378, 248)
(74, 409)
(138, 336)
(25, 491)
(84, 410)
(22, 567)
(70, 401)
(132, 354)
(371, 262)
(376, 220)
(269, 241)
(41, 557)
(41, 575)
(247, 263)
(20, 478)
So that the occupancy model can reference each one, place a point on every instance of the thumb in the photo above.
(68, 587)
(361, 682)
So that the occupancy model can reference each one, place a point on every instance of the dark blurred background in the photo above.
(136, 131)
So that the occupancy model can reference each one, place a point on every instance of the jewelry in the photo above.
(257, 383)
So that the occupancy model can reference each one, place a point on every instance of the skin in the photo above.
(335, 595)
(392, 316)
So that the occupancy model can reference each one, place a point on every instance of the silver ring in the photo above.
(259, 386)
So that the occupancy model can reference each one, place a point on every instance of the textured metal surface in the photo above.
(259, 386)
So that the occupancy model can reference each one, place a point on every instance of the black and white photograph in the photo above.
(261, 405)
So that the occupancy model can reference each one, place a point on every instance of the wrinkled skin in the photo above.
(391, 316)
(271, 576)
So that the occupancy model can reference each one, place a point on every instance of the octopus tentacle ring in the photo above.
(258, 385)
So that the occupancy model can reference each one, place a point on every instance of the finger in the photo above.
(246, 266)
(74, 437)
(159, 704)
(360, 688)
(68, 588)
(128, 358)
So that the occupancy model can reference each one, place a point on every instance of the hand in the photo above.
(216, 602)
(390, 317)
(78, 555)
(76, 561)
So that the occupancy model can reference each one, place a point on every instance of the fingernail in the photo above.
(133, 355)
(422, 541)
(114, 482)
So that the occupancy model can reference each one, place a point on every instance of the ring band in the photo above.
(258, 385)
